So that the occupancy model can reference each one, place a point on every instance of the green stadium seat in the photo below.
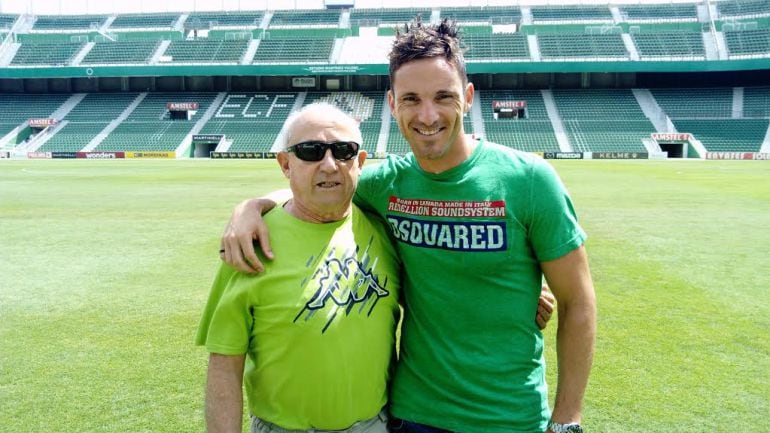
(496, 46)
(144, 21)
(302, 18)
(120, 52)
(149, 126)
(69, 22)
(603, 120)
(743, 8)
(243, 19)
(726, 135)
(669, 44)
(386, 16)
(576, 13)
(658, 12)
(581, 46)
(206, 51)
(748, 42)
(294, 50)
(46, 54)
(533, 133)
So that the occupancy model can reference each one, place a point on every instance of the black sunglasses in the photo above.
(315, 150)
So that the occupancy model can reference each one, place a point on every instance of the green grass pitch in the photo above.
(105, 267)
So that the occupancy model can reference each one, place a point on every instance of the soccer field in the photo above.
(105, 267)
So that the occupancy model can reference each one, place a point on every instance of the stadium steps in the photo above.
(184, 147)
(737, 103)
(115, 123)
(633, 53)
(162, 47)
(710, 47)
(534, 48)
(765, 148)
(248, 56)
(8, 54)
(652, 110)
(87, 47)
(556, 121)
(476, 117)
(385, 119)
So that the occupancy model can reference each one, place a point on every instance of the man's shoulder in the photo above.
(390, 165)
(515, 155)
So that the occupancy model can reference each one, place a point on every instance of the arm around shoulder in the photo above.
(246, 226)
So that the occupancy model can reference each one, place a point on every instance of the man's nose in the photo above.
(428, 113)
(328, 162)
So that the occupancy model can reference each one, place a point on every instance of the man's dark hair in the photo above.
(423, 41)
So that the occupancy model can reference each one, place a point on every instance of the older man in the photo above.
(316, 332)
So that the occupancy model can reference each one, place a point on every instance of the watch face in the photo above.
(574, 429)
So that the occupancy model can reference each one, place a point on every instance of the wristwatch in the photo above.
(572, 427)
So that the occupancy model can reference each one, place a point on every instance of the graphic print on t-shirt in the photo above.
(457, 228)
(344, 283)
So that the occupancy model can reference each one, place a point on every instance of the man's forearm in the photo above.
(224, 394)
(575, 348)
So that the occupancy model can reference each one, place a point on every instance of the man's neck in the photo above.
(460, 152)
(316, 216)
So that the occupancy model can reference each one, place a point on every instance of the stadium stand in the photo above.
(726, 135)
(486, 15)
(86, 120)
(532, 133)
(16, 109)
(61, 23)
(748, 42)
(396, 142)
(294, 50)
(149, 126)
(245, 19)
(695, 103)
(756, 102)
(251, 121)
(386, 16)
(669, 44)
(7, 20)
(743, 8)
(45, 54)
(111, 53)
(603, 120)
(308, 17)
(496, 47)
(577, 13)
(658, 13)
(206, 51)
(581, 46)
(587, 119)
(144, 21)
(708, 114)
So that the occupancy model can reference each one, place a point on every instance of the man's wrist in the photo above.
(571, 427)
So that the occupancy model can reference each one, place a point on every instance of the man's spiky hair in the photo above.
(418, 40)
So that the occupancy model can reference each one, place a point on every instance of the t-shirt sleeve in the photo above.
(225, 326)
(554, 229)
(365, 191)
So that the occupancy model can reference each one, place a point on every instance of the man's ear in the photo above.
(391, 101)
(283, 162)
(469, 90)
(361, 158)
